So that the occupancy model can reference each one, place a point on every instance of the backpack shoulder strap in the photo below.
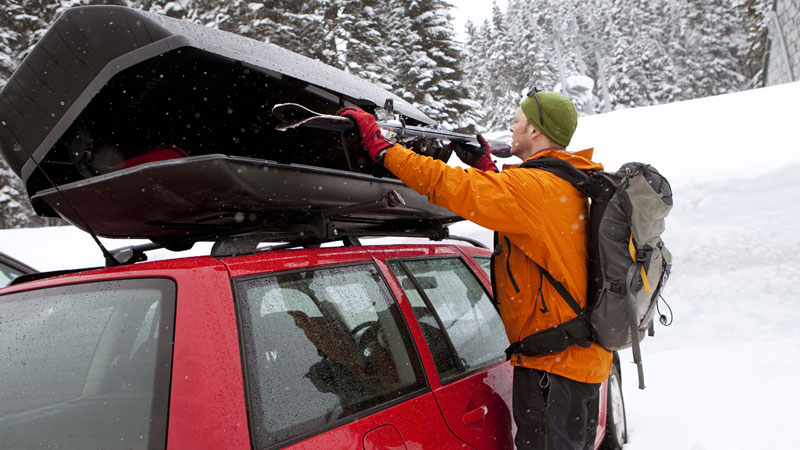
(565, 171)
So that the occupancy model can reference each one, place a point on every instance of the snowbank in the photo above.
(727, 137)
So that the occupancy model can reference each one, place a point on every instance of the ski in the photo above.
(293, 115)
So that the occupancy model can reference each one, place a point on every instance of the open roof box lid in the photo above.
(158, 128)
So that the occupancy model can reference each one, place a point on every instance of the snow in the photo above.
(721, 376)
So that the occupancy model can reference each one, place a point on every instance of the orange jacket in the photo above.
(544, 218)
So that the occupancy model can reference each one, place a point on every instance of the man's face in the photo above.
(521, 135)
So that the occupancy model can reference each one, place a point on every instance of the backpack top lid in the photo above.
(650, 197)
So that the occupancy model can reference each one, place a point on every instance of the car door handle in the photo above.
(475, 415)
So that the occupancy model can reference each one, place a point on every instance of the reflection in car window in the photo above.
(321, 345)
(81, 359)
(462, 306)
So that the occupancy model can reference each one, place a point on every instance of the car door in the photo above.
(329, 363)
(466, 339)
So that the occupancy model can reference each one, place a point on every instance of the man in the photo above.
(541, 223)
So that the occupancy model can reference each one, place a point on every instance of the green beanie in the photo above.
(560, 116)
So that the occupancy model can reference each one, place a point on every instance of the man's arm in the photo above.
(502, 202)
(487, 198)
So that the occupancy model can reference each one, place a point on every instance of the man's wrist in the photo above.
(381, 155)
(486, 164)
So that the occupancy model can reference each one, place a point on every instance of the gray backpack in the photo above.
(628, 262)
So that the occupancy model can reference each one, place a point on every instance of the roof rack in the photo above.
(249, 244)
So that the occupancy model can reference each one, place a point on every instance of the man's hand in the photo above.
(477, 157)
(371, 138)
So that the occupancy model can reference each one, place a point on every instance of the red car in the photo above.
(394, 346)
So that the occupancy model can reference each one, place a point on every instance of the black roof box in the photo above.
(108, 79)
(132, 124)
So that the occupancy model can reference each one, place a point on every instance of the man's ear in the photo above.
(535, 133)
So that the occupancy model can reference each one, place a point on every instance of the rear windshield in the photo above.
(86, 366)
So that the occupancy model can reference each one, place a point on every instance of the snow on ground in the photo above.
(722, 375)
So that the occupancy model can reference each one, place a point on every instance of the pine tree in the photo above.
(502, 65)
(712, 36)
(640, 70)
(360, 40)
(428, 68)
(16, 209)
(477, 80)
(753, 14)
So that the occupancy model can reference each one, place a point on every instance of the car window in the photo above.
(7, 274)
(462, 309)
(87, 366)
(443, 355)
(321, 345)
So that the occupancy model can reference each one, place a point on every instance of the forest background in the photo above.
(614, 54)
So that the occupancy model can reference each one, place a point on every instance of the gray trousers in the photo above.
(553, 412)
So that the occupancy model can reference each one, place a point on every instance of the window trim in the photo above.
(249, 405)
(464, 373)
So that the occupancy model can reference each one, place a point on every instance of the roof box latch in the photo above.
(393, 198)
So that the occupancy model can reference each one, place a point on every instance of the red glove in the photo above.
(477, 157)
(371, 138)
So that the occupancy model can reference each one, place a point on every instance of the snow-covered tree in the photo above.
(360, 39)
(639, 59)
(712, 37)
(428, 62)
(652, 51)
(501, 60)
(754, 47)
